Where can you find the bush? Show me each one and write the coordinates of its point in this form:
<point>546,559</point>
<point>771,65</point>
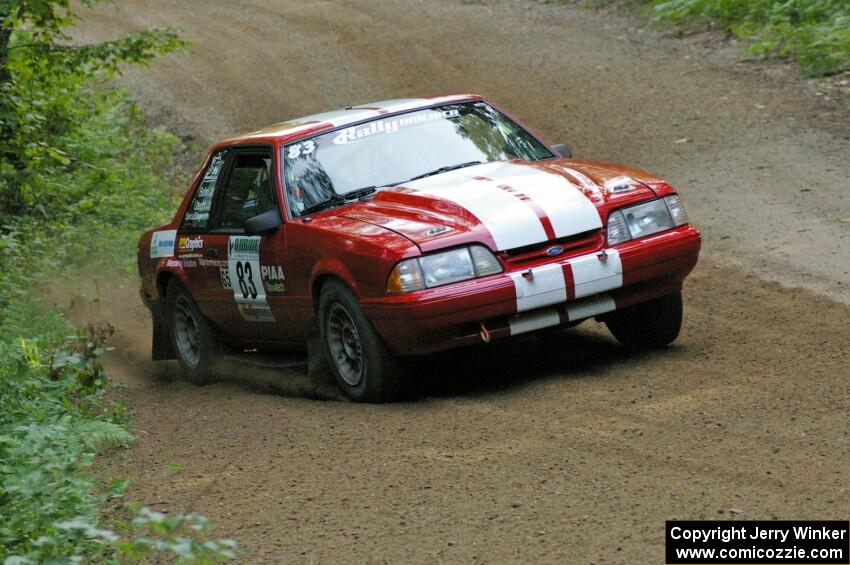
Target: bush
<point>81,175</point>
<point>816,33</point>
<point>53,422</point>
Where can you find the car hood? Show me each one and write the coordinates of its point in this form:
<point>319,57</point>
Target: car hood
<point>505,205</point>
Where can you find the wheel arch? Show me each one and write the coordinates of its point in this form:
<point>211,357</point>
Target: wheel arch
<point>163,279</point>
<point>327,270</point>
<point>319,283</point>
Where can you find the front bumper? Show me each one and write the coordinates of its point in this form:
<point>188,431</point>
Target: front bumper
<point>566,289</point>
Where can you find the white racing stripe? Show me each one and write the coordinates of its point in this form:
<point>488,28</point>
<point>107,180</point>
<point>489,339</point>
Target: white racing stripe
<point>592,276</point>
<point>512,222</point>
<point>534,321</point>
<point>568,209</point>
<point>547,285</point>
<point>588,307</point>
<point>545,288</point>
<point>549,317</point>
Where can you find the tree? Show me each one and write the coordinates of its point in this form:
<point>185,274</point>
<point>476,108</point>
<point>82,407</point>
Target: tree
<point>39,69</point>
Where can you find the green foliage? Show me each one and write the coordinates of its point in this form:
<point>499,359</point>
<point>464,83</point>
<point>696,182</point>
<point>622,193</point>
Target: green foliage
<point>46,100</point>
<point>182,536</point>
<point>54,420</point>
<point>81,175</point>
<point>816,33</point>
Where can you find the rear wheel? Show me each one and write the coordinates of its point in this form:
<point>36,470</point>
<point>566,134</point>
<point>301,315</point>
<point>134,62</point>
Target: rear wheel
<point>192,336</point>
<point>648,325</point>
<point>359,360</point>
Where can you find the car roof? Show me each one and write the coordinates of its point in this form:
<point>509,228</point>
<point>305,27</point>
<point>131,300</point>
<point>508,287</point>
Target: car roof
<point>315,123</point>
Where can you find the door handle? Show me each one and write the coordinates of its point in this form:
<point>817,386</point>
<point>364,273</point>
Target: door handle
<point>212,253</point>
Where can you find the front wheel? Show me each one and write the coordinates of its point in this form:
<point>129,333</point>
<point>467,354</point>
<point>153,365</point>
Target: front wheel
<point>359,360</point>
<point>192,337</point>
<point>648,325</point>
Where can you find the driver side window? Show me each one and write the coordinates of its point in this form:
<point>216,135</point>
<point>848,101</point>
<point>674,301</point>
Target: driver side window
<point>248,192</point>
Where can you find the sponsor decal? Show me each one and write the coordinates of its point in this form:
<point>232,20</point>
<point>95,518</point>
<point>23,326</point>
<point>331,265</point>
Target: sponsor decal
<point>215,167</point>
<point>174,263</point>
<point>243,247</point>
<point>273,279</point>
<point>197,217</point>
<point>391,125</point>
<point>199,208</point>
<point>272,272</point>
<point>162,243</point>
<point>256,313</point>
<point>275,287</point>
<point>244,276</point>
<point>190,243</point>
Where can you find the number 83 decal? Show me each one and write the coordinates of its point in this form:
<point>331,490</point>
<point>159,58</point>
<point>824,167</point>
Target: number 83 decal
<point>300,149</point>
<point>243,271</point>
<point>245,276</point>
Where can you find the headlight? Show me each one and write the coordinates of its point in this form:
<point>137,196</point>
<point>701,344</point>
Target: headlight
<point>645,219</point>
<point>446,267</point>
<point>648,218</point>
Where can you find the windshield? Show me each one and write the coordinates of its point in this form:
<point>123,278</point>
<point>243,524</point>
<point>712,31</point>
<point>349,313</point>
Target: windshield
<point>390,151</point>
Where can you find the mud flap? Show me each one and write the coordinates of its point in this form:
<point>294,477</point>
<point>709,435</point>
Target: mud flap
<point>161,346</point>
<point>318,368</point>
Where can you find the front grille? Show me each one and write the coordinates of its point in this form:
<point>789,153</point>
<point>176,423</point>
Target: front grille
<point>574,244</point>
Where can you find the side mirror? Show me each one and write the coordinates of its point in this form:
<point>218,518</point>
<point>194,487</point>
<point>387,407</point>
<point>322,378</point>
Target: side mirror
<point>264,223</point>
<point>562,150</point>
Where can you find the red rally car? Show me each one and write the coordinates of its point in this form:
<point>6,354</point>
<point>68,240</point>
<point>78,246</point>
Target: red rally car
<point>407,227</point>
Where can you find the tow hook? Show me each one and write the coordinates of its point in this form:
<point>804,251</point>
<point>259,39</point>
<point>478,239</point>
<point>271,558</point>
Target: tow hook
<point>528,275</point>
<point>602,256</point>
<point>485,334</point>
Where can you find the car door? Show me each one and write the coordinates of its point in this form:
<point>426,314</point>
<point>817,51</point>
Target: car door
<point>193,243</point>
<point>250,268</point>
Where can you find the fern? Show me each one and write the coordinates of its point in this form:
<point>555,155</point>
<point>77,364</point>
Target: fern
<point>98,433</point>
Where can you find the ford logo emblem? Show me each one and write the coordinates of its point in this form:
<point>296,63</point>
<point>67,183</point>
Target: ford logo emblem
<point>555,250</point>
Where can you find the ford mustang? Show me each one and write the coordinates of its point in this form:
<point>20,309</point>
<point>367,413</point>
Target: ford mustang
<point>403,228</point>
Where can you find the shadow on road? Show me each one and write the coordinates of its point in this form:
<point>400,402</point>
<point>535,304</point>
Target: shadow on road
<point>515,363</point>
<point>472,371</point>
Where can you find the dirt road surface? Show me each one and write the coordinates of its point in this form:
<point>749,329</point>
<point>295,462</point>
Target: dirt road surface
<point>560,449</point>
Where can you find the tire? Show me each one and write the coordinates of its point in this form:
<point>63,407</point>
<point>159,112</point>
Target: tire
<point>649,325</point>
<point>358,358</point>
<point>192,337</point>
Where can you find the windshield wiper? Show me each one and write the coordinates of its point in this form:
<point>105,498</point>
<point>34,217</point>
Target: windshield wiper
<point>444,170</point>
<point>339,199</point>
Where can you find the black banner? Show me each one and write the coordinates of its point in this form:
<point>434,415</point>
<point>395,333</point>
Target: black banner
<point>692,542</point>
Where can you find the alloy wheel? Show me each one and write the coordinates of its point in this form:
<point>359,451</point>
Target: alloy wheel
<point>344,344</point>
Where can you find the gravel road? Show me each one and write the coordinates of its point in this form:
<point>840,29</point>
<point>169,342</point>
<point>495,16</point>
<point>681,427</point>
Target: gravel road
<point>557,449</point>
